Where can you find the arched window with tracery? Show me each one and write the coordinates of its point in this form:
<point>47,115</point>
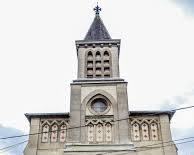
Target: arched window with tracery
<point>154,131</point>
<point>62,133</point>
<point>108,132</point>
<point>45,133</point>
<point>145,131</point>
<point>99,132</point>
<point>54,133</point>
<point>90,133</point>
<point>136,132</point>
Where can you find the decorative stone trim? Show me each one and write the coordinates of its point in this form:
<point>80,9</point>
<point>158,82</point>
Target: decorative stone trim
<point>108,104</point>
<point>53,130</point>
<point>145,129</point>
<point>99,131</point>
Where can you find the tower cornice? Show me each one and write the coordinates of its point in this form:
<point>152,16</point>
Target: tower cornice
<point>102,43</point>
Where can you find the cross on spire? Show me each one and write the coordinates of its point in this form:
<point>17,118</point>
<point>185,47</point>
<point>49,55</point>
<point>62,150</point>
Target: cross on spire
<point>97,9</point>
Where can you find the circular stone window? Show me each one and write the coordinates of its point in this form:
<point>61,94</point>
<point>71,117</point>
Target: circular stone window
<point>99,105</point>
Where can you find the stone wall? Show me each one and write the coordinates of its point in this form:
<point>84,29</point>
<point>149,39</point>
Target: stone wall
<point>148,136</point>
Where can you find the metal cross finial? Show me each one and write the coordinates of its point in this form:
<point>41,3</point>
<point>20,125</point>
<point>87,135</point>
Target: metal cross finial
<point>97,9</point>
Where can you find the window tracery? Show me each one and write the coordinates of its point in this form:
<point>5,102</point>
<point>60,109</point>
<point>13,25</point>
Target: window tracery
<point>45,133</point>
<point>144,129</point>
<point>90,133</point>
<point>154,131</point>
<point>108,132</point>
<point>99,105</point>
<point>99,130</point>
<point>136,132</point>
<point>53,131</point>
<point>63,131</point>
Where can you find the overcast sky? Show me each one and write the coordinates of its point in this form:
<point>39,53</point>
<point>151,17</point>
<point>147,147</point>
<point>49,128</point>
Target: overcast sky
<point>38,56</point>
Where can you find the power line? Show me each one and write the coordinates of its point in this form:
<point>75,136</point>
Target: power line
<point>180,143</point>
<point>189,141</point>
<point>151,145</point>
<point>182,108</point>
<point>181,139</point>
<point>70,128</point>
<point>7,148</point>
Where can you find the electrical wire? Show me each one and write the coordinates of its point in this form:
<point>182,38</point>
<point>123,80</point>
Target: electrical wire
<point>145,149</point>
<point>7,148</point>
<point>189,141</point>
<point>70,128</point>
<point>180,143</point>
<point>170,141</point>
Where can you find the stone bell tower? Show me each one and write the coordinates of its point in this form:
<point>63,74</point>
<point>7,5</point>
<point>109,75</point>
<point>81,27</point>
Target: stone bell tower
<point>99,95</point>
<point>99,121</point>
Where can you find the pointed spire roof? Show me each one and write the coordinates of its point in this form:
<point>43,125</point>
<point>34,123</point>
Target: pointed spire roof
<point>97,30</point>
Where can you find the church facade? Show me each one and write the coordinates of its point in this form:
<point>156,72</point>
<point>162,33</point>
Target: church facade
<point>99,121</point>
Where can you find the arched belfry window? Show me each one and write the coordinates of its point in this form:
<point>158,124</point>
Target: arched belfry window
<point>89,64</point>
<point>90,55</point>
<point>106,64</point>
<point>106,55</point>
<point>98,64</point>
<point>98,55</point>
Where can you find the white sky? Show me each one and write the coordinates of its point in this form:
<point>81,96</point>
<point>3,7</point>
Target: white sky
<point>38,56</point>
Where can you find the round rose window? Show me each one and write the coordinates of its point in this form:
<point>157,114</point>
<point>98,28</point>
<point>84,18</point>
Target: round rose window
<point>99,105</point>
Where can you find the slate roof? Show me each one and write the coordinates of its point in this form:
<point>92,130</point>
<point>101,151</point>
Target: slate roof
<point>97,31</point>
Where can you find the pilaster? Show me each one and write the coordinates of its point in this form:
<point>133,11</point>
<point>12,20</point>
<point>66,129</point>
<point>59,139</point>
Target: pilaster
<point>32,146</point>
<point>169,147</point>
<point>123,113</point>
<point>75,120</point>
